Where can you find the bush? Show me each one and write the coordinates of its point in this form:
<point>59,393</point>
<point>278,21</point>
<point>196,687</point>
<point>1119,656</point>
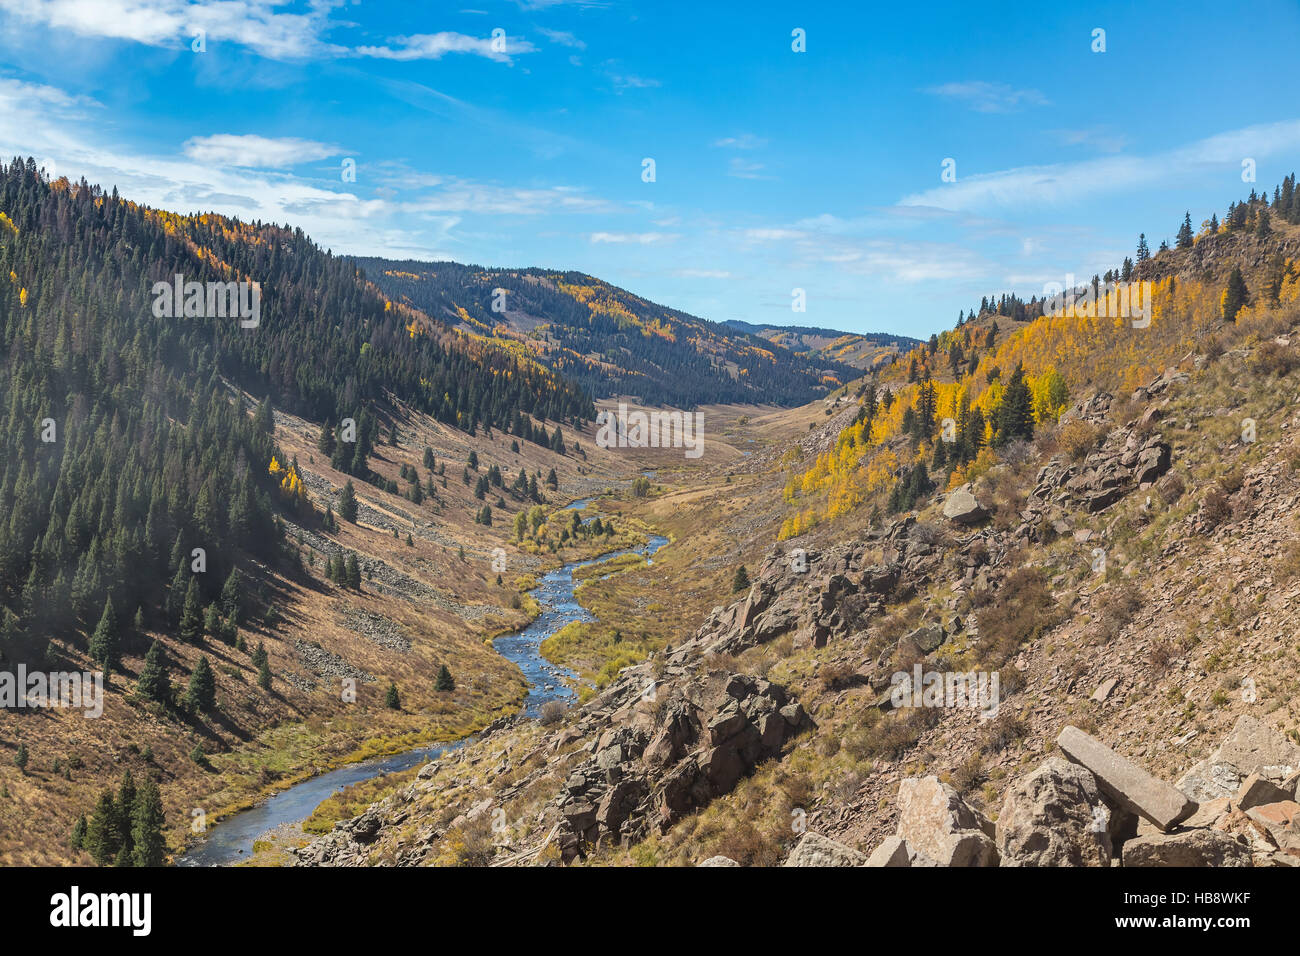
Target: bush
<point>1274,358</point>
<point>1077,438</point>
<point>552,712</point>
<point>1215,507</point>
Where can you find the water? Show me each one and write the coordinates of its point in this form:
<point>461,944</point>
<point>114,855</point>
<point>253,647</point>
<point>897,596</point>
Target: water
<point>231,840</point>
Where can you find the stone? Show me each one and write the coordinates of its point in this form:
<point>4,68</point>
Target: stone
<point>894,852</point>
<point>1104,691</point>
<point>1055,816</point>
<point>1256,791</point>
<point>719,861</point>
<point>961,507</point>
<point>817,850</point>
<point>1188,848</point>
<point>1251,747</point>
<point>935,821</point>
<point>1125,782</point>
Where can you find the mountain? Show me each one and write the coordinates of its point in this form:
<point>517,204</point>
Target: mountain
<point>607,339</point>
<point>1077,531</point>
<point>861,350</point>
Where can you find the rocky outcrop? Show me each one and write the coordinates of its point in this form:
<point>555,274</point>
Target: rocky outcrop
<point>1251,747</point>
<point>816,850</point>
<point>1054,817</point>
<point>663,759</point>
<point>961,507</point>
<point>1125,462</point>
<point>933,818</point>
<point>1124,782</point>
<point>1187,848</point>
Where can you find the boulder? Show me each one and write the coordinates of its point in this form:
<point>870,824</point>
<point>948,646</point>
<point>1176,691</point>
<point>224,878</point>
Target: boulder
<point>1055,816</point>
<point>1255,791</point>
<point>817,850</point>
<point>719,861</point>
<point>936,822</point>
<point>1251,747</point>
<point>1124,782</point>
<point>1188,848</point>
<point>894,852</point>
<point>961,507</point>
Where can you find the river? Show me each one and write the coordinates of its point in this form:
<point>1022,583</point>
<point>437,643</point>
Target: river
<point>231,840</point>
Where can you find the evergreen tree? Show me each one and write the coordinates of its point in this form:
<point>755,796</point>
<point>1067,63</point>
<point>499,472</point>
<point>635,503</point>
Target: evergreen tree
<point>1235,295</point>
<point>20,758</point>
<point>231,595</point>
<point>202,691</point>
<point>264,676</point>
<point>391,700</point>
<point>1014,418</point>
<point>444,681</point>
<point>348,503</point>
<point>1184,239</point>
<point>147,822</point>
<point>105,643</point>
<point>352,573</point>
<point>153,683</point>
<point>740,581</point>
<point>191,626</point>
<point>78,838</point>
<point>103,840</point>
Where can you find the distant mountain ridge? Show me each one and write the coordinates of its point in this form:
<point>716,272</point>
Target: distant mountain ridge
<point>606,339</point>
<point>863,350</point>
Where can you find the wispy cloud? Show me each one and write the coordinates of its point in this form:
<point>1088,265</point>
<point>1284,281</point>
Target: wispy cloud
<point>562,37</point>
<point>226,149</point>
<point>1061,183</point>
<point>434,46</point>
<point>743,141</point>
<point>743,169</point>
<point>985,97</point>
<point>638,238</point>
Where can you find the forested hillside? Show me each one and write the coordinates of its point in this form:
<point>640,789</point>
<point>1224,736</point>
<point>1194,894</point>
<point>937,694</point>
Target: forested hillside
<point>861,350</point>
<point>607,339</point>
<point>123,449</point>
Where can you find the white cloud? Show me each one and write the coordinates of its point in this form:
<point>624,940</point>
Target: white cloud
<point>640,238</point>
<point>434,46</point>
<point>743,141</point>
<point>985,97</point>
<point>225,149</point>
<point>1073,182</point>
<point>742,169</point>
<point>255,24</point>
<point>562,37</point>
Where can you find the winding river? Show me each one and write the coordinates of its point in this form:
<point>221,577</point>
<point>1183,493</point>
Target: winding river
<point>231,840</point>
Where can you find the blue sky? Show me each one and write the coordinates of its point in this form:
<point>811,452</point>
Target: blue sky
<point>774,169</point>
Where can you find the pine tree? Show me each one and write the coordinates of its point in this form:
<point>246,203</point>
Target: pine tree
<point>103,841</point>
<point>147,822</point>
<point>77,840</point>
<point>352,573</point>
<point>191,626</point>
<point>1184,240</point>
<point>444,681</point>
<point>125,804</point>
<point>1014,418</point>
<point>202,691</point>
<point>231,595</point>
<point>20,758</point>
<point>391,699</point>
<point>740,582</point>
<point>264,676</point>
<point>348,503</point>
<point>153,683</point>
<point>1235,295</point>
<point>105,643</point>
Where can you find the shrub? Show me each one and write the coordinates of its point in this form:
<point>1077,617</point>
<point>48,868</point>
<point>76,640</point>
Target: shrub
<point>1215,507</point>
<point>1077,438</point>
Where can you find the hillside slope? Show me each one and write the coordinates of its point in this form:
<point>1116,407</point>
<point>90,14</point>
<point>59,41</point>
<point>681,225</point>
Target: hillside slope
<point>1113,537</point>
<point>861,350</point>
<point>609,340</point>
